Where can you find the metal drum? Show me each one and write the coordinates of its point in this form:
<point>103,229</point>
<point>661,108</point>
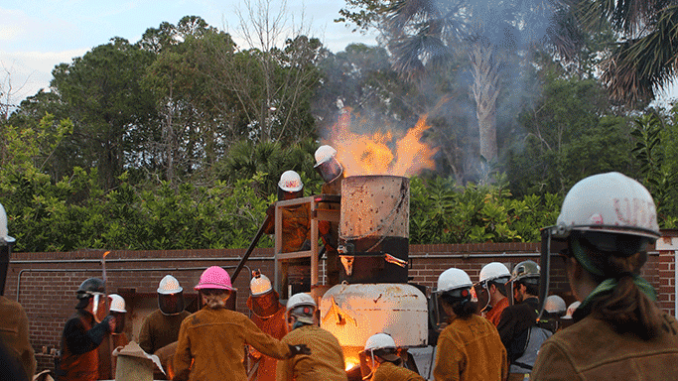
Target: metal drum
<point>374,229</point>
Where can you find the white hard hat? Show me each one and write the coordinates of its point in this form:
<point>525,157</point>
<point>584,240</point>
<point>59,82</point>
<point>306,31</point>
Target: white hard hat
<point>169,285</point>
<point>260,284</point>
<point>492,271</point>
<point>290,182</point>
<point>117,303</point>
<point>608,202</point>
<point>379,341</point>
<point>4,233</point>
<point>452,279</point>
<point>300,299</point>
<point>570,309</point>
<point>324,153</point>
<point>555,304</point>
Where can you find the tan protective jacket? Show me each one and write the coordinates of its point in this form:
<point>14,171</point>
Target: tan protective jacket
<point>591,350</point>
<point>214,340</point>
<point>470,349</point>
<point>325,363</point>
<point>14,334</point>
<point>388,371</point>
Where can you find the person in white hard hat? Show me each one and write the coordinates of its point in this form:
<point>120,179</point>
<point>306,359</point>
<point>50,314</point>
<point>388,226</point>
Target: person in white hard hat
<point>606,225</point>
<point>518,325</point>
<point>469,347</point>
<point>269,315</point>
<point>13,318</point>
<point>570,310</point>
<point>491,289</point>
<point>118,338</point>
<point>554,310</point>
<point>383,360</point>
<point>212,341</point>
<point>296,234</point>
<point>326,361</point>
<point>160,329</point>
<point>296,231</point>
<point>332,174</point>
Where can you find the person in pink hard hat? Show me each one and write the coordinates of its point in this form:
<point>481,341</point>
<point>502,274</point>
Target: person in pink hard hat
<point>212,341</point>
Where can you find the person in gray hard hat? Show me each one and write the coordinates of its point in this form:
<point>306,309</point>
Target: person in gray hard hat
<point>605,227</point>
<point>84,333</point>
<point>518,326</point>
<point>326,360</point>
<point>13,318</point>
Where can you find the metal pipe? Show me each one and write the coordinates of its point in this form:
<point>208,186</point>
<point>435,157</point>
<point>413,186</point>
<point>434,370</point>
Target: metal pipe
<point>122,260</point>
<point>18,282</point>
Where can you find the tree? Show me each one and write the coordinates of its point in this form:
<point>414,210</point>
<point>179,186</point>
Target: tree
<point>107,104</point>
<point>197,121</point>
<point>644,59</point>
<point>568,132</point>
<point>421,34</point>
<point>272,83</point>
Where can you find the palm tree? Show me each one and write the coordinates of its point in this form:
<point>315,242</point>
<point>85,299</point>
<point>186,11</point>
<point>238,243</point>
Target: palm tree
<point>645,58</point>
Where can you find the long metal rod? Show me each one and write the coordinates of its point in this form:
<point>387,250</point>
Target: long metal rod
<point>18,282</point>
<point>253,244</point>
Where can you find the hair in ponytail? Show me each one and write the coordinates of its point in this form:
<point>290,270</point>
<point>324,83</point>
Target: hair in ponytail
<point>627,308</point>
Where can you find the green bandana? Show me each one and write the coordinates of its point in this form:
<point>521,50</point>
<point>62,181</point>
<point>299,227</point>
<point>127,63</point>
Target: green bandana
<point>608,285</point>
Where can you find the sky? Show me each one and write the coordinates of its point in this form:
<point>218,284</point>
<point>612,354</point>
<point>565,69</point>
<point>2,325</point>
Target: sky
<point>36,35</point>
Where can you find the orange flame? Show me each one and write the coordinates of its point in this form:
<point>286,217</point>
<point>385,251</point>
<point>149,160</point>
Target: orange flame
<point>372,155</point>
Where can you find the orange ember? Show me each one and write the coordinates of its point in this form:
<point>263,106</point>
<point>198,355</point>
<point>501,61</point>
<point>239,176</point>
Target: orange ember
<point>373,155</point>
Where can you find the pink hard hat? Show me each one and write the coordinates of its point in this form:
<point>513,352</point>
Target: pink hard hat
<point>215,278</point>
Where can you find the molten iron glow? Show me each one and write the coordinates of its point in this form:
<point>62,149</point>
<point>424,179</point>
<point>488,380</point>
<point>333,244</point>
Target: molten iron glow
<point>351,363</point>
<point>373,155</point>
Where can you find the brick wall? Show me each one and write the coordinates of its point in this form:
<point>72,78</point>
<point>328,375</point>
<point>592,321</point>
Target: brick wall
<point>45,283</point>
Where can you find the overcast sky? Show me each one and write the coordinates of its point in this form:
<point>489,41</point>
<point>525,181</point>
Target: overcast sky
<point>36,35</point>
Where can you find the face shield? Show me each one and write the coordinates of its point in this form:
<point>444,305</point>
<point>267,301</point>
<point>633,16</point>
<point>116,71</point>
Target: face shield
<point>437,315</point>
<point>5,253</point>
<point>98,306</point>
<point>171,304</point>
<point>119,321</point>
<point>482,291</point>
<point>265,305</point>
<point>329,169</point>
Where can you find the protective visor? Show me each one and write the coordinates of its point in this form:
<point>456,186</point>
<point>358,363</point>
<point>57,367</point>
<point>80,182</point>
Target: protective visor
<point>329,169</point>
<point>5,253</point>
<point>171,304</point>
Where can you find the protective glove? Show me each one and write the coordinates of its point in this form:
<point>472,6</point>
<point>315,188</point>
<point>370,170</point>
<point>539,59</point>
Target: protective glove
<point>300,349</point>
<point>109,322</point>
